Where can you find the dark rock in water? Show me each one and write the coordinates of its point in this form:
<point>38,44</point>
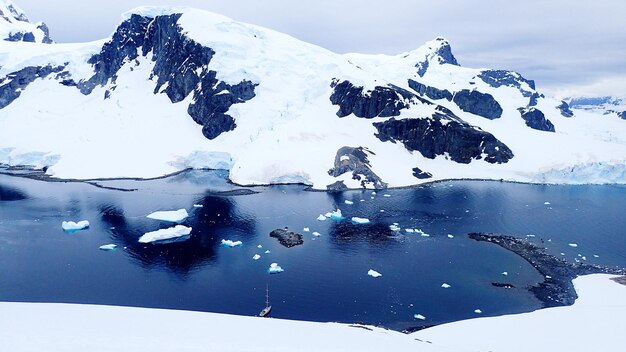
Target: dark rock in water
<point>535,119</point>
<point>477,103</point>
<point>418,173</point>
<point>14,83</point>
<point>443,133</point>
<point>349,159</point>
<point>287,238</point>
<point>557,288</point>
<point>565,110</point>
<point>336,187</point>
<point>498,78</point>
<point>180,68</point>
<point>381,102</point>
<point>431,92</point>
<point>502,285</point>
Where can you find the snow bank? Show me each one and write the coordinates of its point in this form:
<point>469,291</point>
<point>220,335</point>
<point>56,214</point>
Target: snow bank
<point>170,215</point>
<point>161,235</point>
<point>71,226</point>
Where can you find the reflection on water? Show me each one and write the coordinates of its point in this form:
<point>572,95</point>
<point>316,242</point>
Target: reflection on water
<point>325,279</point>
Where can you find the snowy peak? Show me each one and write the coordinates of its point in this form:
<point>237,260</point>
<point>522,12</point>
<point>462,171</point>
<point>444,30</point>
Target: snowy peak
<point>15,26</point>
<point>436,51</point>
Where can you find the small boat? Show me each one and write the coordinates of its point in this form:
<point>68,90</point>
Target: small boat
<point>266,311</point>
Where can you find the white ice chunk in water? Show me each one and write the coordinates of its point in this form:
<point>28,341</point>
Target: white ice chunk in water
<point>504,273</point>
<point>387,195</point>
<point>419,316</point>
<point>546,203</point>
<point>478,311</point>
<point>374,193</point>
<point>374,273</point>
<point>306,229</point>
<point>445,285</point>
<point>165,234</point>
<point>596,256</point>
<point>573,245</point>
<point>198,205</point>
<point>321,217</point>
<point>170,215</point>
<point>275,269</point>
<point>335,215</point>
<point>393,227</point>
<point>409,230</point>
<point>316,234</point>
<point>230,243</point>
<point>256,257</point>
<point>267,251</point>
<point>107,247</point>
<point>349,202</point>
<point>421,233</point>
<point>450,236</point>
<point>358,220</point>
<point>259,246</point>
<point>74,226</point>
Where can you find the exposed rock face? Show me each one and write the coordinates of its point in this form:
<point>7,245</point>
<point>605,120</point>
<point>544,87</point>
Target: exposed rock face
<point>13,15</point>
<point>565,110</point>
<point>431,92</point>
<point>622,114</point>
<point>336,187</point>
<point>444,134</point>
<point>380,102</point>
<point>442,54</point>
<point>349,159</point>
<point>418,173</point>
<point>535,119</point>
<point>498,78</point>
<point>12,85</point>
<point>287,238</point>
<point>477,103</point>
<point>180,65</point>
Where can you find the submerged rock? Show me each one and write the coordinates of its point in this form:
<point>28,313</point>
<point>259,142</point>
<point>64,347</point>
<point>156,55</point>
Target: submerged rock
<point>287,238</point>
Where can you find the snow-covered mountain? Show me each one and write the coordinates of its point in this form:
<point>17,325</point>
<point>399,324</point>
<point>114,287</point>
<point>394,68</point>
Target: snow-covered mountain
<point>177,88</point>
<point>14,25</point>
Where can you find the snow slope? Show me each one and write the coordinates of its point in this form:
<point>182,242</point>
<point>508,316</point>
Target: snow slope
<point>593,323</point>
<point>14,25</point>
<point>289,130</point>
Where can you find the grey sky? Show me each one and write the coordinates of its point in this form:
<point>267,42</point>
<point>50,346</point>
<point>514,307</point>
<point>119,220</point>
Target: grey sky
<point>576,45</point>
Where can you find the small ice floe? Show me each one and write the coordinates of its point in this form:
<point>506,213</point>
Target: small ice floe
<point>374,273</point>
<point>504,273</point>
<point>372,197</point>
<point>362,200</point>
<point>275,269</point>
<point>259,246</point>
<point>349,202</point>
<point>409,230</point>
<point>546,203</point>
<point>358,220</point>
<point>419,316</point>
<point>107,247</point>
<point>373,193</point>
<point>478,311</point>
<point>306,229</point>
<point>393,227</point>
<point>387,195</point>
<point>548,277</point>
<point>71,226</point>
<point>171,234</point>
<point>335,215</point>
<point>583,257</point>
<point>198,205</point>
<point>530,235</point>
<point>382,210</point>
<point>450,236</point>
<point>321,217</point>
<point>421,233</point>
<point>562,253</point>
<point>230,243</point>
<point>316,234</point>
<point>267,251</point>
<point>169,215</point>
<point>445,285</point>
<point>256,257</point>
<point>596,256</point>
<point>572,245</point>
<point>467,210</point>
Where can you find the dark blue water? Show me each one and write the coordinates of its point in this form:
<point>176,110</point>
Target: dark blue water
<point>326,278</point>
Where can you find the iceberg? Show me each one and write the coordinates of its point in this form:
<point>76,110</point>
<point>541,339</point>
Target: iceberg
<point>321,217</point>
<point>316,234</point>
<point>504,273</point>
<point>335,215</point>
<point>478,311</point>
<point>572,245</point>
<point>393,227</point>
<point>198,205</point>
<point>171,234</point>
<point>108,247</point>
<point>349,202</point>
<point>229,243</point>
<point>306,229</point>
<point>445,285</point>
<point>546,203</point>
<point>358,220</point>
<point>170,216</point>
<point>71,226</point>
<point>259,246</point>
<point>267,251</point>
<point>275,269</point>
<point>387,195</point>
<point>256,257</point>
<point>409,230</point>
<point>450,236</point>
<point>374,273</point>
<point>419,316</point>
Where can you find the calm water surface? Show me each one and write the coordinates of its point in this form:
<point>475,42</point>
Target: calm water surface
<point>326,278</point>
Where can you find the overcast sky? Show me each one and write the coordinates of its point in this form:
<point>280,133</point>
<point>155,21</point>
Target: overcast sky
<point>562,44</point>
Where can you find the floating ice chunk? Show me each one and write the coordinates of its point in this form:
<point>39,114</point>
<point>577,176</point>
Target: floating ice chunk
<point>321,217</point>
<point>596,256</point>
<point>71,226</point>
<point>267,251</point>
<point>421,233</point>
<point>445,285</point>
<point>229,243</point>
<point>419,316</point>
<point>259,246</point>
<point>374,273</point>
<point>275,269</point>
<point>572,245</point>
<point>504,273</point>
<point>373,193</point>
<point>335,215</point>
<point>168,234</point>
<point>256,257</point>
<point>107,247</point>
<point>546,203</point>
<point>584,257</point>
<point>358,220</point>
<point>562,253</point>
<point>393,227</point>
<point>548,277</point>
<point>450,236</point>
<point>198,205</point>
<point>409,230</point>
<point>315,233</point>
<point>382,210</point>
<point>349,202</point>
<point>170,215</point>
<point>530,235</point>
<point>387,195</point>
<point>362,200</point>
<point>478,311</point>
<point>306,229</point>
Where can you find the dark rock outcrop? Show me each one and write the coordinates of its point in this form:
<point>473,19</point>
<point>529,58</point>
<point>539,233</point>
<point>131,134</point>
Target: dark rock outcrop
<point>535,119</point>
<point>287,238</point>
<point>622,115</point>
<point>498,78</point>
<point>12,84</point>
<point>565,110</point>
<point>336,187</point>
<point>431,92</point>
<point>443,55</point>
<point>420,174</point>
<point>442,134</point>
<point>349,159</point>
<point>380,102</point>
<point>477,103</point>
<point>180,68</point>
